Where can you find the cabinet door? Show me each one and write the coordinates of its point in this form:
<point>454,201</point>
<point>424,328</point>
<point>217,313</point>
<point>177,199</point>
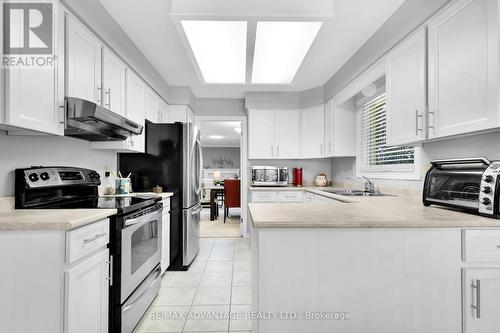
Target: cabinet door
<point>114,78</point>
<point>481,302</point>
<point>312,138</point>
<point>405,86</point>
<point>329,128</point>
<point>87,290</point>
<point>261,134</point>
<point>163,111</point>
<point>83,72</point>
<point>136,108</point>
<point>34,96</point>
<point>287,134</point>
<point>463,61</point>
<point>151,105</point>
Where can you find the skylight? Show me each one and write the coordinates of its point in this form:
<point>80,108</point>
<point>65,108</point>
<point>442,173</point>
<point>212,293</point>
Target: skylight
<point>280,48</point>
<point>219,48</point>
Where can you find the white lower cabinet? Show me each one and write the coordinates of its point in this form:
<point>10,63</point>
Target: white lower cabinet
<point>481,300</point>
<point>87,295</point>
<point>308,197</point>
<point>55,281</point>
<point>290,196</point>
<point>322,199</point>
<point>264,196</point>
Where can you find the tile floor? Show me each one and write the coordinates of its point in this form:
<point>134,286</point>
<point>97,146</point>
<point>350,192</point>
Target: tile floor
<point>216,284</point>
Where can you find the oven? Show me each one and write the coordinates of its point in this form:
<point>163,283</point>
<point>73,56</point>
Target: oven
<point>469,184</point>
<point>136,248</point>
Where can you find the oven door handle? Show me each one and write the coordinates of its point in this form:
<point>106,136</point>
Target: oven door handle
<point>141,219</point>
<point>157,275</point>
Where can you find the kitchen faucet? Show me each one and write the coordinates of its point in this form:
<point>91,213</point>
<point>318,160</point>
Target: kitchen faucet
<point>368,184</point>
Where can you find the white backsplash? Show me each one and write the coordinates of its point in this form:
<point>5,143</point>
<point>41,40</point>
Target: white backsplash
<point>25,151</point>
<point>310,167</point>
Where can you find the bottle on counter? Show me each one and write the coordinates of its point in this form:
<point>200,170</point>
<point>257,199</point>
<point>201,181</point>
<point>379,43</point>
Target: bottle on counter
<point>297,177</point>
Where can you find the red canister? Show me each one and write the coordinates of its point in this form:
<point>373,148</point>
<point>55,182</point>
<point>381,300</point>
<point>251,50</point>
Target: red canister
<point>297,177</point>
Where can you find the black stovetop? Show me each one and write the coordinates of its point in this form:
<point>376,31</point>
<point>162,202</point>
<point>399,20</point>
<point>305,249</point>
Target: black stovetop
<point>124,204</point>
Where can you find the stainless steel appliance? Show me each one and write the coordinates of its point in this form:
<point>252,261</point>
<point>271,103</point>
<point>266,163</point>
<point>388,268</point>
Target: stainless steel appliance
<point>89,121</point>
<point>269,176</point>
<point>470,184</point>
<point>135,234</point>
<point>172,160</point>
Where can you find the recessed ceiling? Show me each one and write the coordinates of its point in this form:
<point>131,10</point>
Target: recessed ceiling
<point>157,32</point>
<point>220,133</point>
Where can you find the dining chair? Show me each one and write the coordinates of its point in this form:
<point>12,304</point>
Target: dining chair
<point>231,195</point>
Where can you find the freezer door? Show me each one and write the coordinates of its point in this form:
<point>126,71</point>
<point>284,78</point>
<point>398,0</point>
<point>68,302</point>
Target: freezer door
<point>193,165</point>
<point>191,233</point>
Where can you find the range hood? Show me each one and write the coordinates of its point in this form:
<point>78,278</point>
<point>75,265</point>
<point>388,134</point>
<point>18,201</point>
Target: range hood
<point>89,121</point>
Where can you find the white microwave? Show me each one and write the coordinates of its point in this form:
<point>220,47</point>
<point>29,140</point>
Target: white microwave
<point>269,176</point>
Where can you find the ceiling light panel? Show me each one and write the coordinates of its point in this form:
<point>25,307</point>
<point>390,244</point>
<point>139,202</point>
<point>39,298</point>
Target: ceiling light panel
<point>280,48</point>
<point>219,48</point>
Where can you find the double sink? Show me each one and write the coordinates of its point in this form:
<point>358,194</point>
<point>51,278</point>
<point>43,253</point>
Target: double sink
<point>356,193</point>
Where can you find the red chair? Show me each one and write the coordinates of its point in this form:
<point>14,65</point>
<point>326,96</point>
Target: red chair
<point>231,195</point>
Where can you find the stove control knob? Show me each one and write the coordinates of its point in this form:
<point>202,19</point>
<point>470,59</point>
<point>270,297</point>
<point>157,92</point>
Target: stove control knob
<point>33,177</point>
<point>44,176</point>
<point>488,178</point>
<point>486,189</point>
<point>486,201</point>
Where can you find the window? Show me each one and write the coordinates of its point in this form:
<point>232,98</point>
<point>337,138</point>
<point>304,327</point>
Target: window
<point>376,155</point>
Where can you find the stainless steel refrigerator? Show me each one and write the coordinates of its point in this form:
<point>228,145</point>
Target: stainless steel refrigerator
<point>173,160</point>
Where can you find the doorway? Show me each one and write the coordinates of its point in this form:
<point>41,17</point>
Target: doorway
<point>223,182</point>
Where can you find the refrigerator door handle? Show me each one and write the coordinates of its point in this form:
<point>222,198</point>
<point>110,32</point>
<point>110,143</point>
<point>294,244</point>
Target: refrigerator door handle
<point>200,167</point>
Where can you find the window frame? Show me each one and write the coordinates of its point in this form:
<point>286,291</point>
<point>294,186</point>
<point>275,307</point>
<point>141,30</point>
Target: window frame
<point>399,172</point>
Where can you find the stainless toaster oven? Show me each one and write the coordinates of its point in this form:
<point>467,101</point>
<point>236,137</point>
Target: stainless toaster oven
<point>470,184</point>
<point>269,176</point>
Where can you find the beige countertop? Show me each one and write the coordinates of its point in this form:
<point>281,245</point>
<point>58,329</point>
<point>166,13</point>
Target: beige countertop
<point>50,219</point>
<point>402,211</point>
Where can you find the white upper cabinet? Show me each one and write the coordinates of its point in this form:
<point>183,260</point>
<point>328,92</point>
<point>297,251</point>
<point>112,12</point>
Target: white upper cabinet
<point>287,134</point>
<point>340,130</point>
<point>179,113</point>
<point>162,110</point>
<point>34,97</point>
<point>463,68</point>
<point>114,78</point>
<point>312,129</point>
<point>136,112</point>
<point>152,106</point>
<point>405,86</point>
<point>261,125</point>
<point>83,71</point>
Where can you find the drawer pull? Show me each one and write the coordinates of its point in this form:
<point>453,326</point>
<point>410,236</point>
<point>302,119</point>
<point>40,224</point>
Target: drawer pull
<point>97,236</point>
<point>498,246</point>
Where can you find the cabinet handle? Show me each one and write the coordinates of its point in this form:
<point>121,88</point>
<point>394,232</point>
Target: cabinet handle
<point>108,92</point>
<point>477,307</point>
<point>272,150</point>
<point>91,239</point>
<point>99,95</point>
<point>278,150</point>
<point>321,149</point>
<point>110,276</point>
<point>330,147</point>
<point>433,113</point>
<point>62,114</point>
<point>417,129</point>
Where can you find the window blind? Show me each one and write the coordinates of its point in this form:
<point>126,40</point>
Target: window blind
<point>376,154</point>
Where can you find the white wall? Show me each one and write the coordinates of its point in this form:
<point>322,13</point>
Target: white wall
<point>486,145</point>
<point>230,153</point>
<point>26,151</point>
<point>220,107</point>
<point>310,167</point>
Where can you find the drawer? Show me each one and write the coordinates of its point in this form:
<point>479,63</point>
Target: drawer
<point>264,196</point>
<point>85,240</point>
<point>308,197</point>
<point>290,196</point>
<point>481,245</point>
